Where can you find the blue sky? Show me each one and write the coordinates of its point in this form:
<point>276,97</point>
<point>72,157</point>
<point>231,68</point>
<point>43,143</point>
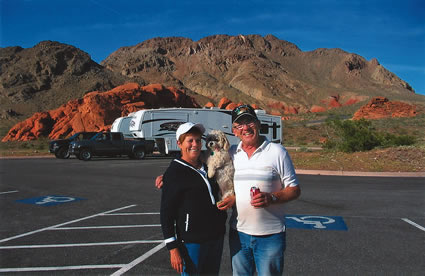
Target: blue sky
<point>391,31</point>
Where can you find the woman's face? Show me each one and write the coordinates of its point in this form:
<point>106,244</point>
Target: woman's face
<point>191,147</point>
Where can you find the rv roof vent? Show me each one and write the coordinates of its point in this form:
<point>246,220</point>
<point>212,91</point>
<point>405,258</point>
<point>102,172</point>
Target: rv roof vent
<point>260,111</point>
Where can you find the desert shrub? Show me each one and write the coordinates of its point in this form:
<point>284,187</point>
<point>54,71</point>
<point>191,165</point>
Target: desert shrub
<point>360,135</point>
<point>391,140</point>
<point>351,136</point>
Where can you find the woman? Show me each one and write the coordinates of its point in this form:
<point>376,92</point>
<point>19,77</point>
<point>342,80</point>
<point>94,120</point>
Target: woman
<point>188,201</point>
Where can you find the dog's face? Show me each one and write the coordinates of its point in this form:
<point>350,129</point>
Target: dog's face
<point>217,140</point>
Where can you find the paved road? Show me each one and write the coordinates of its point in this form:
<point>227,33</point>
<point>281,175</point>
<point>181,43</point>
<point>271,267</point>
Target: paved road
<point>71,217</point>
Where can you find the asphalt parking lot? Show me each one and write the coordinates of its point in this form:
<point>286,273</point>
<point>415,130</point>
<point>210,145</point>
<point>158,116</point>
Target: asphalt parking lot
<point>70,217</point>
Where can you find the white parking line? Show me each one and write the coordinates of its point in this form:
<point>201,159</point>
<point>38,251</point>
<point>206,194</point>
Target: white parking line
<point>8,192</point>
<point>139,260</point>
<point>59,227</point>
<point>76,244</point>
<point>106,227</point>
<point>413,223</point>
<point>62,224</point>
<point>129,214</point>
<point>53,268</point>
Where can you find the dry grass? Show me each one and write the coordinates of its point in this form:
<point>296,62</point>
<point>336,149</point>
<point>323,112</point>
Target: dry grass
<point>399,159</point>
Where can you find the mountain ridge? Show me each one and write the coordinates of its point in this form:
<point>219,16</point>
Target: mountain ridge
<point>272,73</point>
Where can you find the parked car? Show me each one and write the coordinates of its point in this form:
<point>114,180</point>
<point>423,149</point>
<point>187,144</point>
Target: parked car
<point>61,147</point>
<point>111,144</point>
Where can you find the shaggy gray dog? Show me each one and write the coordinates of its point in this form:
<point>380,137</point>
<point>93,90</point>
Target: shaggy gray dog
<point>219,162</point>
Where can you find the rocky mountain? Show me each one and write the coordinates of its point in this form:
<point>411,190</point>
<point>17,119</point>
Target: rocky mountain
<point>271,73</point>
<point>274,73</point>
<point>48,75</point>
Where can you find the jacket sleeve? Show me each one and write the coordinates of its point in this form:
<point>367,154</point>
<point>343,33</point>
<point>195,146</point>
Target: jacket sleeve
<point>171,192</point>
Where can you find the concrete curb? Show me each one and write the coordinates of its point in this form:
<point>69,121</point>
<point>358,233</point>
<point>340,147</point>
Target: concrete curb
<point>350,173</point>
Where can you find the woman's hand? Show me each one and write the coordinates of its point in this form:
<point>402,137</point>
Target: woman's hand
<point>176,260</point>
<point>226,203</point>
<point>159,182</point>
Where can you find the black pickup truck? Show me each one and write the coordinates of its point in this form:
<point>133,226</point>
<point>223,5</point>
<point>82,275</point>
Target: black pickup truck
<point>111,144</point>
<point>60,147</point>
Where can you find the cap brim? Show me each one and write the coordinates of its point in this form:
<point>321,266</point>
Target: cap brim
<point>243,115</point>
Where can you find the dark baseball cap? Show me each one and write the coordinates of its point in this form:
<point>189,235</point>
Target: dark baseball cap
<point>243,111</point>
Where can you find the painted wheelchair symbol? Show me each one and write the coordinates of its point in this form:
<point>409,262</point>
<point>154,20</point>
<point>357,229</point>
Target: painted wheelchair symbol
<point>55,199</point>
<point>318,221</point>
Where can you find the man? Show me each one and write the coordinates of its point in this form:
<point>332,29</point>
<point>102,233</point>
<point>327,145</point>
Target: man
<point>257,236</point>
<point>257,226</point>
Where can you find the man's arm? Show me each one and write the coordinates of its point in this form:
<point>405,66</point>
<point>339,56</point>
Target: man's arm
<point>284,195</point>
<point>287,194</point>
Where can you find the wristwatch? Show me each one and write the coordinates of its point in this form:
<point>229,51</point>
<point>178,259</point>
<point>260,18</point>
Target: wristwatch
<point>274,198</point>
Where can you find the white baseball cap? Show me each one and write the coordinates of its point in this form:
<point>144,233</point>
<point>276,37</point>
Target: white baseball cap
<point>183,128</point>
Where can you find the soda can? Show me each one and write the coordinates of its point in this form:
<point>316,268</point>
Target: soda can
<point>254,191</point>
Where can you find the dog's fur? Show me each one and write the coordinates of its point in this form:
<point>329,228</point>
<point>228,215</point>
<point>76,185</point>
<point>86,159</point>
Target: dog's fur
<point>219,162</point>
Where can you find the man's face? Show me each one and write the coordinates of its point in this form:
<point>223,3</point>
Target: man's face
<point>247,129</point>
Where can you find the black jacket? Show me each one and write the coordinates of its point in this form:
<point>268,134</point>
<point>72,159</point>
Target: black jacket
<point>189,202</point>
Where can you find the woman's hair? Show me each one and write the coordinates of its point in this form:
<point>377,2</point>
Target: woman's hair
<point>193,130</point>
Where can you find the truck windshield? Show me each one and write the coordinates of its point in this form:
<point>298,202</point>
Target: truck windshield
<point>97,135</point>
<point>73,136</point>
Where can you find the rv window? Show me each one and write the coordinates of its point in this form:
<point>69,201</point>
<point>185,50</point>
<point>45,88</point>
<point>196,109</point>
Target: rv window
<point>264,129</point>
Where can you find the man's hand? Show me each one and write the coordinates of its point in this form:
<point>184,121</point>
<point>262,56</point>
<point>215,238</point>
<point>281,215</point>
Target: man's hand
<point>261,200</point>
<point>226,203</point>
<point>287,194</point>
<point>159,182</point>
<point>176,260</point>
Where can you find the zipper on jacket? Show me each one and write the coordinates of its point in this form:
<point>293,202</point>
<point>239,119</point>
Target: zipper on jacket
<point>203,177</point>
<point>187,222</point>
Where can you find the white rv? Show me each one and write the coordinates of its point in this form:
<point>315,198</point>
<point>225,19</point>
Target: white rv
<point>123,123</point>
<point>161,125</point>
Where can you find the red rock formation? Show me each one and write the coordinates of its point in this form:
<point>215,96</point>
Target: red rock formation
<point>351,101</point>
<point>281,108</point>
<point>96,111</point>
<point>224,102</point>
<point>334,102</point>
<point>209,104</point>
<point>232,106</point>
<point>316,108</point>
<point>381,107</point>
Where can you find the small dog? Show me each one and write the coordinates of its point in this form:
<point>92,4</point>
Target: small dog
<point>219,162</point>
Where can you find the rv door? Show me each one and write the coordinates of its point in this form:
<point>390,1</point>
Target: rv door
<point>271,129</point>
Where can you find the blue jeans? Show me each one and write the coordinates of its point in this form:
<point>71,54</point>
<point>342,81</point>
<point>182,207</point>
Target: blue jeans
<point>263,253</point>
<point>202,258</point>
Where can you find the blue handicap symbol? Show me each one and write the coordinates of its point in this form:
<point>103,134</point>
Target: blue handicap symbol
<point>315,222</point>
<point>49,200</point>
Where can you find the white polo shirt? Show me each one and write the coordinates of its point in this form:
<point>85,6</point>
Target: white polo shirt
<point>270,168</point>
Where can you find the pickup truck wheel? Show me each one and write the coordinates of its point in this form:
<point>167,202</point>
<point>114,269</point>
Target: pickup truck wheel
<point>139,154</point>
<point>85,155</point>
<point>62,153</point>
